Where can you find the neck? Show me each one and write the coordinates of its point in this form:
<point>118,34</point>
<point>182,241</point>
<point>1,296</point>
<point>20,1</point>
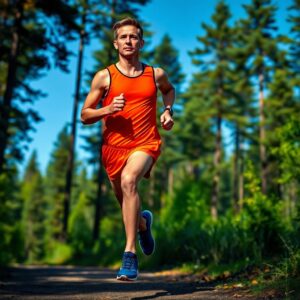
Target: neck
<point>130,66</point>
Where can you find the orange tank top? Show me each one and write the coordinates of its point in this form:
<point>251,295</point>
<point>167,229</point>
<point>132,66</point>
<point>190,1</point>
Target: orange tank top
<point>135,125</point>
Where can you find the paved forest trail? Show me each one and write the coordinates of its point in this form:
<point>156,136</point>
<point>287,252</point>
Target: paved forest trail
<point>66,282</point>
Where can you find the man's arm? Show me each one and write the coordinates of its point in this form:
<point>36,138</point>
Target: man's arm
<point>89,113</point>
<point>168,94</point>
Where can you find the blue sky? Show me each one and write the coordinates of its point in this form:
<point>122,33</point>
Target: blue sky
<point>180,19</point>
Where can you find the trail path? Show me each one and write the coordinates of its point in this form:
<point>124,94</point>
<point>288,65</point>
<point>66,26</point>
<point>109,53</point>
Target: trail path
<point>64,282</point>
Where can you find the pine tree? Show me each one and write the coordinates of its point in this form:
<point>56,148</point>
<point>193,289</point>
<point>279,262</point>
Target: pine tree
<point>34,211</point>
<point>166,57</point>
<point>287,152</point>
<point>85,9</point>
<point>33,36</point>
<point>262,51</point>
<point>212,58</point>
<point>81,217</point>
<point>242,111</point>
<point>294,19</point>
<point>55,187</point>
<point>281,107</point>
<point>11,241</point>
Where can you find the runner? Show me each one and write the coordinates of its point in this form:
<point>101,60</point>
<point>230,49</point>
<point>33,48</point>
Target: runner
<point>131,142</point>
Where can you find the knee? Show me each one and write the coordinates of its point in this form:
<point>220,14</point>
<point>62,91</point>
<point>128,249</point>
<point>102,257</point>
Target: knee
<point>128,183</point>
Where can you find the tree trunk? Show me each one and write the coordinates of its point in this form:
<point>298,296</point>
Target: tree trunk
<point>10,83</point>
<point>262,135</point>
<point>236,171</point>
<point>70,167</point>
<point>170,181</point>
<point>241,177</point>
<point>151,192</point>
<point>98,203</point>
<point>217,161</point>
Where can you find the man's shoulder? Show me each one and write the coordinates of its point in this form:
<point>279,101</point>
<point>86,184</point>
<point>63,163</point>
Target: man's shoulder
<point>101,79</point>
<point>159,72</point>
<point>102,74</point>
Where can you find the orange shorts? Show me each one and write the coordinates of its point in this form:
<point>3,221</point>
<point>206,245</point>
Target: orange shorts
<point>115,158</point>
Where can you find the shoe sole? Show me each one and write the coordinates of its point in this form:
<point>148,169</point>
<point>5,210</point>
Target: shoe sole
<point>125,278</point>
<point>151,217</point>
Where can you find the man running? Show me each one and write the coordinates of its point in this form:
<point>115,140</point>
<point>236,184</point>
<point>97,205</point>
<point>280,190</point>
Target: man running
<point>131,142</point>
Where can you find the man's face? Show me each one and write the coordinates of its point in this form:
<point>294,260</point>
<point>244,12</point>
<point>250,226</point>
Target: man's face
<point>128,41</point>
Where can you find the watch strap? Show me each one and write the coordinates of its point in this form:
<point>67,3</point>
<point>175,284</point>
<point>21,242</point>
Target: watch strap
<point>169,109</point>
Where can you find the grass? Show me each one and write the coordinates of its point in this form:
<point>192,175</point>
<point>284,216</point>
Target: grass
<point>255,279</point>
<point>288,288</point>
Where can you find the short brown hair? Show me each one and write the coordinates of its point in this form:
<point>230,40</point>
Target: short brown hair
<point>127,21</point>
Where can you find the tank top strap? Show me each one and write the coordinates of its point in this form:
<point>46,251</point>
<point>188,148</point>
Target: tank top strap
<point>112,69</point>
<point>148,69</point>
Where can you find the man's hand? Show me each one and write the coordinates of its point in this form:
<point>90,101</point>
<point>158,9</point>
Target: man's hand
<point>166,120</point>
<point>117,104</point>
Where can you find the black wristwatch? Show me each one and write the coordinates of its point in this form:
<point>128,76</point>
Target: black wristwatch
<point>170,110</point>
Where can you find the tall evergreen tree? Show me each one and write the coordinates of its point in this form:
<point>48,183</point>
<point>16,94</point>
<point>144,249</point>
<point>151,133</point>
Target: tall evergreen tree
<point>33,36</point>
<point>55,187</point>
<point>34,211</point>
<point>261,46</point>
<point>212,58</point>
<point>243,111</point>
<point>81,217</point>
<point>11,241</point>
<point>294,19</point>
<point>281,107</point>
<point>166,57</point>
<point>85,9</point>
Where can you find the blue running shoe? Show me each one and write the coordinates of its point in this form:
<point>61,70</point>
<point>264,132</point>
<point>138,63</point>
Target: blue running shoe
<point>129,269</point>
<point>146,239</point>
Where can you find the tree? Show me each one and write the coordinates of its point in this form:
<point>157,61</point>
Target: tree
<point>55,186</point>
<point>242,113</point>
<point>11,242</point>
<point>262,51</point>
<point>81,217</point>
<point>166,57</point>
<point>287,152</point>
<point>215,69</point>
<point>295,43</point>
<point>70,166</point>
<point>33,36</point>
<point>34,211</point>
<point>281,107</point>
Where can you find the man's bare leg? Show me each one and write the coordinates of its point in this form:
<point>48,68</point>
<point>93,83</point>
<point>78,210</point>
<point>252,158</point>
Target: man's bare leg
<point>136,167</point>
<point>116,185</point>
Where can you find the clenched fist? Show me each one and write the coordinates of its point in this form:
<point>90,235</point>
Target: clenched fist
<point>117,104</point>
<point>166,120</point>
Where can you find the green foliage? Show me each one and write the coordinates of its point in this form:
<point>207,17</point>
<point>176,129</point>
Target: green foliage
<point>55,186</point>
<point>33,38</point>
<point>80,227</point>
<point>290,264</point>
<point>112,241</point>
<point>295,41</point>
<point>186,227</point>
<point>288,150</point>
<point>11,241</point>
<point>58,253</point>
<point>166,57</point>
<point>34,212</point>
